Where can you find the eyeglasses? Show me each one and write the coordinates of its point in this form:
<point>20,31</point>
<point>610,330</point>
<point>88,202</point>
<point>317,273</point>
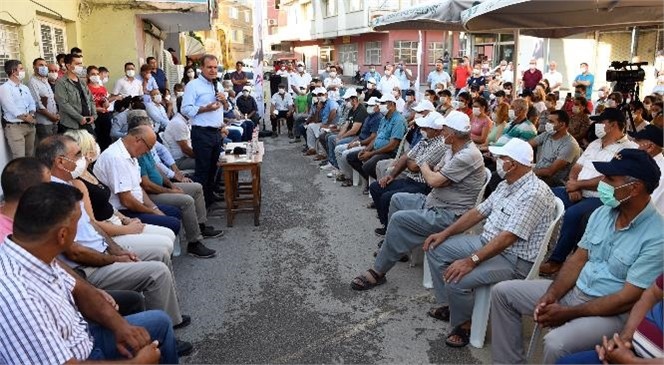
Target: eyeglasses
<point>146,144</point>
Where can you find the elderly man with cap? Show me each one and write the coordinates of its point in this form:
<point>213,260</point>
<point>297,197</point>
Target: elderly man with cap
<point>580,194</point>
<point>456,180</point>
<point>299,79</point>
<point>390,133</point>
<point>372,89</point>
<point>429,151</point>
<point>357,113</point>
<point>619,256</point>
<point>282,108</point>
<point>323,115</point>
<point>650,139</point>
<point>517,216</point>
<point>367,135</point>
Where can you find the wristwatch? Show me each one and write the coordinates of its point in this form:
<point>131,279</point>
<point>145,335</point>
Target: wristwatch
<point>475,259</point>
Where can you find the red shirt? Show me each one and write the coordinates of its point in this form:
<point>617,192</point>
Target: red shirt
<point>530,79</point>
<point>461,75</point>
<point>99,94</point>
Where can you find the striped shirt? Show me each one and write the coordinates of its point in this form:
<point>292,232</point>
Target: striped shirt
<point>525,208</point>
<point>39,320</point>
<point>430,151</point>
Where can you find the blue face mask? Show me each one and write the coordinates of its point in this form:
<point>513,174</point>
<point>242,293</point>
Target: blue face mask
<point>43,71</point>
<point>607,194</point>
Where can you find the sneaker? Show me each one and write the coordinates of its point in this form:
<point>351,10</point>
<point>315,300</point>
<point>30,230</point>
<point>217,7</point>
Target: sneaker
<point>341,178</point>
<point>184,348</point>
<point>327,166</point>
<point>210,232</point>
<point>380,231</point>
<point>197,249</point>
<point>186,320</point>
<point>332,174</point>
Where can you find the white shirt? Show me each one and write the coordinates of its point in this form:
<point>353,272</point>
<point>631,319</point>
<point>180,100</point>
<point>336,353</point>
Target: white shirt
<point>333,95</point>
<point>387,84</point>
<point>15,100</point>
<point>40,88</point>
<point>282,103</point>
<point>596,153</point>
<point>125,87</point>
<point>120,172</point>
<point>298,81</point>
<point>177,130</point>
<point>657,196</point>
<point>401,104</point>
<point>554,77</point>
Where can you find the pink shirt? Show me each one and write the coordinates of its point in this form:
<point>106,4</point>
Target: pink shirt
<point>6,225</point>
<point>477,125</point>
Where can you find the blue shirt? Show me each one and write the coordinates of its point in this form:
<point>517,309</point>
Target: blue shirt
<point>393,128</point>
<point>164,159</point>
<point>149,169</point>
<point>330,105</point>
<point>157,113</point>
<point>375,75</point>
<point>15,100</point>
<point>632,254</point>
<point>370,125</point>
<point>198,93</point>
<point>160,78</point>
<point>152,85</point>
<point>590,78</point>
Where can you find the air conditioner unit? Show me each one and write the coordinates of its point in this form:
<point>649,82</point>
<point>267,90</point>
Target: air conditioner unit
<point>272,22</point>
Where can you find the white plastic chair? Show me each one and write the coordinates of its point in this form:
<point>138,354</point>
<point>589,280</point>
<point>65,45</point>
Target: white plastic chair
<point>427,281</point>
<point>482,305</point>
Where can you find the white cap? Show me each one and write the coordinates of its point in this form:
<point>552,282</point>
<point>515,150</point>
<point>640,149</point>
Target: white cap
<point>424,105</point>
<point>458,121</point>
<point>433,120</point>
<point>516,149</point>
<point>320,90</point>
<point>350,92</point>
<point>386,98</point>
<point>246,88</point>
<point>373,101</point>
<point>300,63</point>
<point>371,80</point>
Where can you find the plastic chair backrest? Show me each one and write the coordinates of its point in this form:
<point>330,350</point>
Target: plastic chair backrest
<point>544,247</point>
<point>480,196</point>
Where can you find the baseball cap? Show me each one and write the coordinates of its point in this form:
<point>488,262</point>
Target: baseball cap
<point>247,88</point>
<point>410,92</point>
<point>631,162</point>
<point>612,114</point>
<point>424,105</point>
<point>320,90</point>
<point>300,63</point>
<point>433,121</point>
<point>373,101</point>
<point>516,149</point>
<point>349,93</point>
<point>457,120</point>
<point>650,133</point>
<point>386,98</point>
<point>371,80</point>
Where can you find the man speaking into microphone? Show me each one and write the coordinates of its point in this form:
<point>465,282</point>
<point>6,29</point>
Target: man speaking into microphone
<point>205,104</point>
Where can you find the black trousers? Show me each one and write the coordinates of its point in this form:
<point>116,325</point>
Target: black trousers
<point>206,143</point>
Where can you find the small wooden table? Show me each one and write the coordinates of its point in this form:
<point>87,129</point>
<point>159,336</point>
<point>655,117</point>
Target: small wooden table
<point>238,198</point>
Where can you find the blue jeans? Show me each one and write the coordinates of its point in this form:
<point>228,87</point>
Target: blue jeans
<point>583,357</point>
<point>206,143</point>
<point>331,144</point>
<point>383,196</point>
<point>171,220</point>
<point>158,325</point>
<point>572,222</point>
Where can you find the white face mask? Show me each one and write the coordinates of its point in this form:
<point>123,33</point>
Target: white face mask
<point>21,75</point>
<point>511,114</point>
<point>600,130</point>
<point>396,94</point>
<point>282,91</point>
<point>167,98</point>
<point>438,90</point>
<point>476,111</point>
<point>424,134</point>
<point>600,94</point>
<point>493,116</point>
<point>549,128</point>
<point>349,104</point>
<point>314,99</point>
<point>156,99</point>
<point>371,110</point>
<point>245,93</point>
<point>322,98</point>
<point>52,76</point>
<point>455,105</point>
<point>383,108</point>
<point>95,79</point>
<point>104,80</point>
<point>370,86</point>
<point>300,69</point>
<point>79,70</point>
<point>333,74</point>
<point>130,73</point>
<point>611,103</point>
<point>80,168</point>
<point>179,93</point>
<point>42,71</point>
<point>388,73</point>
<point>500,169</point>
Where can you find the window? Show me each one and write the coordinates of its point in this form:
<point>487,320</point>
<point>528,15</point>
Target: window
<point>308,11</point>
<point>247,16</point>
<point>329,7</point>
<point>9,47</point>
<point>372,53</point>
<point>348,53</point>
<point>354,5</point>
<point>233,13</point>
<point>434,51</point>
<point>237,36</point>
<point>405,51</point>
<point>325,54</point>
<point>52,40</point>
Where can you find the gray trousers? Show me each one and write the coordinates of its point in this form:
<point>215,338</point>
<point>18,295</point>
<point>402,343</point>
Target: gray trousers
<point>459,296</point>
<point>313,131</point>
<point>510,300</point>
<point>151,276</point>
<point>191,204</point>
<point>383,168</point>
<point>20,139</point>
<point>186,163</point>
<point>342,152</point>
<point>409,225</point>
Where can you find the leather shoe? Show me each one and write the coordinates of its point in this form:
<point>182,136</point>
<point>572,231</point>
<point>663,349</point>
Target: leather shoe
<point>184,348</point>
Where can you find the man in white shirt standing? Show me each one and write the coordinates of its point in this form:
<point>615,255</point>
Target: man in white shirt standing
<point>300,78</point>
<point>333,84</point>
<point>18,110</point>
<point>554,78</point>
<point>405,77</point>
<point>128,85</point>
<point>439,76</point>
<point>388,82</point>
<point>47,111</point>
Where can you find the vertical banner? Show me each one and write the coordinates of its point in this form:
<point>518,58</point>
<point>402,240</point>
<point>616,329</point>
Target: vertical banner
<point>258,57</point>
<point>419,65</point>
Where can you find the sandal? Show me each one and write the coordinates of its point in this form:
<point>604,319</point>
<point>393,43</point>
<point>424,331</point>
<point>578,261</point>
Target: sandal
<point>463,334</point>
<point>361,283</point>
<point>440,313</point>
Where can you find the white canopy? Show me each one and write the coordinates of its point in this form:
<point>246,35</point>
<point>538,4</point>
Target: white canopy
<point>439,15</point>
<point>560,18</point>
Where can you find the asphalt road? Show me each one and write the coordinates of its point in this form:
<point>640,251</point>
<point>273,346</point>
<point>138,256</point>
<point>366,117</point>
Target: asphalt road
<point>280,293</point>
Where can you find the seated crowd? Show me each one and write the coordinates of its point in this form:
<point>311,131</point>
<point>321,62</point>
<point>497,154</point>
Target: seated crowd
<point>102,186</point>
<point>101,189</point>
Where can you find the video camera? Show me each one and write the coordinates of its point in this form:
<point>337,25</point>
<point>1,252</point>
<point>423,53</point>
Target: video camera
<point>625,72</point>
